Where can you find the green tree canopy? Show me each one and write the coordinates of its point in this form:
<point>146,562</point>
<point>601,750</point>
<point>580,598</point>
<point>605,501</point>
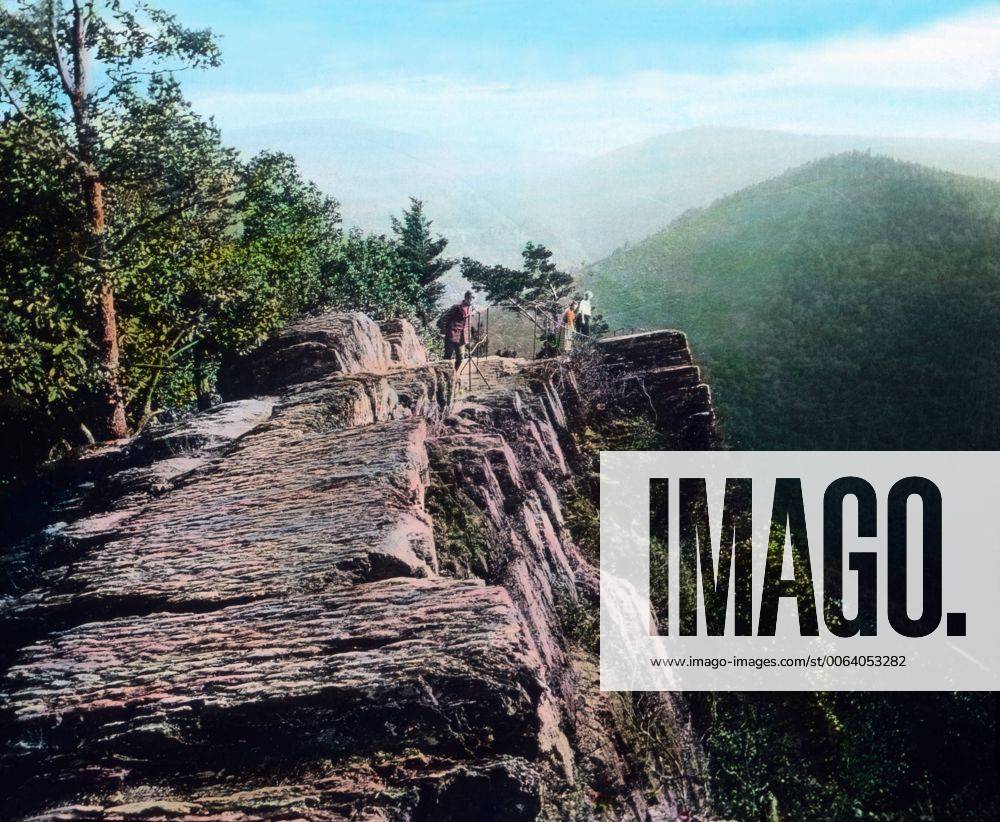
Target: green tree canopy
<point>128,273</point>
<point>421,253</point>
<point>137,251</point>
<point>81,81</point>
<point>537,286</point>
<point>372,276</point>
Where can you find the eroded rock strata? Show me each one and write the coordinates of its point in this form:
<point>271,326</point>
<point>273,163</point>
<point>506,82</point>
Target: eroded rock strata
<point>342,594</point>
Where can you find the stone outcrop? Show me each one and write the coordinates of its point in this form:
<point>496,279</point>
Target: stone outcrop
<point>342,594</point>
<point>318,347</point>
<point>659,375</point>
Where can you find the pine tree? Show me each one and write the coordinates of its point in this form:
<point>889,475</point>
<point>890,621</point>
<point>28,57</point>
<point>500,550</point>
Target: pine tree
<point>538,287</point>
<point>547,283</point>
<point>421,253</point>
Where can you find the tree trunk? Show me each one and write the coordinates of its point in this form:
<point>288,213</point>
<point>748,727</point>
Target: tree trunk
<point>110,422</point>
<point>110,406</point>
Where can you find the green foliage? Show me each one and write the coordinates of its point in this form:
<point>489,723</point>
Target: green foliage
<point>462,535</point>
<point>209,255</point>
<point>86,92</point>
<point>174,193</point>
<point>583,520</point>
<point>421,252</point>
<point>852,304</point>
<point>619,432</point>
<point>205,253</point>
<point>579,621</point>
<point>832,302</point>
<point>852,755</point>
<point>44,341</point>
<point>544,280</point>
<point>371,276</point>
<point>537,284</point>
<point>278,261</point>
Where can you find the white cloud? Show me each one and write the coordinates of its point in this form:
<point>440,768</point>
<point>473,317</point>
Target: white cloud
<point>958,54</point>
<point>850,84</point>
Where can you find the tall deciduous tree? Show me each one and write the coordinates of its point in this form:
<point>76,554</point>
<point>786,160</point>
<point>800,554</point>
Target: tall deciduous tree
<point>422,252</point>
<point>136,250</point>
<point>66,73</point>
<point>286,251</point>
<point>175,193</point>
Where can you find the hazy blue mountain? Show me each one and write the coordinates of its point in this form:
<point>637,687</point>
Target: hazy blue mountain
<point>489,200</point>
<point>374,171</point>
<point>626,195</point>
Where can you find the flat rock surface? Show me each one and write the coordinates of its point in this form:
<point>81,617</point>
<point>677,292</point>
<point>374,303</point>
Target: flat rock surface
<point>442,665</point>
<point>338,506</point>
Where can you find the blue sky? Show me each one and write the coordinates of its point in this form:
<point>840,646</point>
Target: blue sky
<point>591,76</point>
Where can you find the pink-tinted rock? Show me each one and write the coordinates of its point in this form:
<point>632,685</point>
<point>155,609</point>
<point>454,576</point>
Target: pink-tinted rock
<point>443,666</point>
<point>338,506</point>
<point>405,346</point>
<point>658,374</point>
<point>307,350</point>
<point>247,614</point>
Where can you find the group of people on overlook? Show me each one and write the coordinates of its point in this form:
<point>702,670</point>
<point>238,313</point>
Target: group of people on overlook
<point>456,326</point>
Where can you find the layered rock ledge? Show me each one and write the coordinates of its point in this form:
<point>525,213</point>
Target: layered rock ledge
<point>342,594</point>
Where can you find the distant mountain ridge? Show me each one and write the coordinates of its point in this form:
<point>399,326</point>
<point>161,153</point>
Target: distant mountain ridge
<point>639,189</point>
<point>490,200</point>
<point>848,303</point>
<point>373,172</point>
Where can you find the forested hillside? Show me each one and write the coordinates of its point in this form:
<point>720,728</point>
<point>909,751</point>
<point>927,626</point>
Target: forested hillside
<point>586,211</point>
<point>849,303</point>
<point>137,250</point>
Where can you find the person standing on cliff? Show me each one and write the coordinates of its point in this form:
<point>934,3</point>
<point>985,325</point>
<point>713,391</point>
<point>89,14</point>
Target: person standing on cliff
<point>455,325</point>
<point>583,313</point>
<point>567,327</point>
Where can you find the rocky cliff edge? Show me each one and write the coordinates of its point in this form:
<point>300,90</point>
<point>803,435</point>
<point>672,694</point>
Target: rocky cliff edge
<point>341,594</point>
